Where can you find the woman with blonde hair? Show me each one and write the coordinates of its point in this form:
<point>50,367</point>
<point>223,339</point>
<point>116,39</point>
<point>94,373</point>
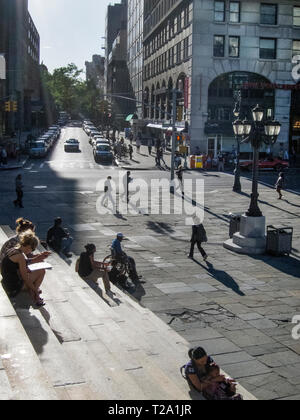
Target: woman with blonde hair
<point>22,226</point>
<point>15,273</point>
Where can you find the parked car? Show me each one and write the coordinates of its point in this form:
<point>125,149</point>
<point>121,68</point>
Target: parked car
<point>72,145</point>
<point>94,133</point>
<point>269,163</point>
<point>38,149</point>
<point>103,153</point>
<point>99,140</point>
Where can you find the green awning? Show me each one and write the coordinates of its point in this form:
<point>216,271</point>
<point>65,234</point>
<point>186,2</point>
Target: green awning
<point>129,117</point>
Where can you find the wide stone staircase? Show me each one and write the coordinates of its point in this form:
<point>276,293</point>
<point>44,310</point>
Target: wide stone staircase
<point>84,345</point>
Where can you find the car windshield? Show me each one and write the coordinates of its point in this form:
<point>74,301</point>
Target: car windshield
<point>103,148</point>
<point>72,141</point>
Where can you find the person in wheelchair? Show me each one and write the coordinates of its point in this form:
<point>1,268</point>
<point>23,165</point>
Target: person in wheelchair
<point>120,256</point>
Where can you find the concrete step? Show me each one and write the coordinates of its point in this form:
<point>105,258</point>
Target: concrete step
<point>116,349</point>
<point>22,376</point>
<point>59,367</point>
<point>105,374</point>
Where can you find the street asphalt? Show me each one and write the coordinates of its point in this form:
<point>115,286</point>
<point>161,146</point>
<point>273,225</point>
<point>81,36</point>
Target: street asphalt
<point>239,308</point>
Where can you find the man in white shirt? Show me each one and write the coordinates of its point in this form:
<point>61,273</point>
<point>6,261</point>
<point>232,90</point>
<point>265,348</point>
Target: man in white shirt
<point>108,193</point>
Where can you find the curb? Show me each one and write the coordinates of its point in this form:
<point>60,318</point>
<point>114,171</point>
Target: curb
<point>15,166</point>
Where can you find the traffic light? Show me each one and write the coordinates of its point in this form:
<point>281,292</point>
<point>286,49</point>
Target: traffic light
<point>7,106</point>
<point>179,113</point>
<point>14,106</point>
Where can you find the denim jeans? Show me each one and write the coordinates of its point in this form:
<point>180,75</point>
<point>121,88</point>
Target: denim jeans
<point>66,244</point>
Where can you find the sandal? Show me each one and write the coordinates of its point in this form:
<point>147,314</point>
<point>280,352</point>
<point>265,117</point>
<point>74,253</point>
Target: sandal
<point>40,302</point>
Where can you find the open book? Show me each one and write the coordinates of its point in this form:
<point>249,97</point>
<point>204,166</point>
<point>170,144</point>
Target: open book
<point>39,266</point>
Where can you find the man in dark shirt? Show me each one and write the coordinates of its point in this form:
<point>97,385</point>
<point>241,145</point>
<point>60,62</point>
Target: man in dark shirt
<point>59,239</point>
<point>120,255</point>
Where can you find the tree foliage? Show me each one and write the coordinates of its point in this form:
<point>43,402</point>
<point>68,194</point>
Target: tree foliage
<point>71,93</point>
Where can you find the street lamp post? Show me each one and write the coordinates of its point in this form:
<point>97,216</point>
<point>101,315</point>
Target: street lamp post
<point>251,238</point>
<point>257,133</point>
<point>237,171</point>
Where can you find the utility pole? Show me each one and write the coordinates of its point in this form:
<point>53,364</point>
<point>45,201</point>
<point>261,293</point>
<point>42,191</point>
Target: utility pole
<point>174,102</point>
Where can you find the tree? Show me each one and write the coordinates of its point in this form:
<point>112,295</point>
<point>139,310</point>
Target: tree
<point>72,94</point>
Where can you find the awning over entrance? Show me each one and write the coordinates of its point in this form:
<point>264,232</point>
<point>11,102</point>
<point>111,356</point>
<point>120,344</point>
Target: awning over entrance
<point>129,117</point>
<point>165,128</point>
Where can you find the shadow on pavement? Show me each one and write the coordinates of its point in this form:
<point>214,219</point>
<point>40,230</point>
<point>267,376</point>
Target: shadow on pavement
<point>222,277</point>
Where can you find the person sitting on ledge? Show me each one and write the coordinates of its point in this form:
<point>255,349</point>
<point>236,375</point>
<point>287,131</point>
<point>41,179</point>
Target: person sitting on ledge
<point>196,371</point>
<point>15,273</point>
<point>225,390</point>
<point>91,270</point>
<point>59,239</point>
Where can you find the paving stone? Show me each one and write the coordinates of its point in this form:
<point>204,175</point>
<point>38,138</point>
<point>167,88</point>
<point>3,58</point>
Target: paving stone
<point>250,337</point>
<point>228,359</point>
<point>250,316</point>
<point>216,346</point>
<point>199,334</point>
<point>245,369</point>
<point>288,371</point>
<point>280,359</point>
<point>262,324</point>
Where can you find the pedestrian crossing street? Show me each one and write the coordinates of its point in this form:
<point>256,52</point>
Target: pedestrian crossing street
<point>66,165</point>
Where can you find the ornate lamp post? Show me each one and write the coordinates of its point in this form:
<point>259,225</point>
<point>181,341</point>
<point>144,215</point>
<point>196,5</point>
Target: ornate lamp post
<point>251,239</point>
<point>257,133</point>
<point>238,134</point>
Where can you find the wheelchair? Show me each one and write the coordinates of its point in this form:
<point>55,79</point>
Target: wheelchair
<point>119,266</point>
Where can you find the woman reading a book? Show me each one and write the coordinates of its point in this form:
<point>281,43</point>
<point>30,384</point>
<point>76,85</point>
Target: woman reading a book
<point>14,269</point>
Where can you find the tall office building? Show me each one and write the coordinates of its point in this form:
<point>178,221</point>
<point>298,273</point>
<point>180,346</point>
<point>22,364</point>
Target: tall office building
<point>20,44</point>
<point>209,50</point>
<point>135,28</point>
<point>116,20</point>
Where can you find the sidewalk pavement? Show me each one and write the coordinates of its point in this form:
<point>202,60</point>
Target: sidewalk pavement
<point>238,307</point>
<point>143,161</point>
<point>15,163</point>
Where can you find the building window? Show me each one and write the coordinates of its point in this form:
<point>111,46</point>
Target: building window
<point>296,47</point>
<point>234,46</point>
<point>296,17</point>
<point>219,46</point>
<point>220,11</point>
<point>234,8</point>
<point>268,14</point>
<point>267,49</point>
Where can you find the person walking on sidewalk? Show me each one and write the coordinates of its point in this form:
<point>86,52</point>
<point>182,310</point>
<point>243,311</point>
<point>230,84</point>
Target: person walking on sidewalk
<point>150,144</point>
<point>130,150</point>
<point>179,174</point>
<point>19,192</point>
<point>221,163</point>
<point>4,156</point>
<point>108,193</point>
<point>279,185</point>
<point>198,237</point>
<point>138,142</point>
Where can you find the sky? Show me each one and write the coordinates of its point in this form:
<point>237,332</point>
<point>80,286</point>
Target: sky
<point>70,30</point>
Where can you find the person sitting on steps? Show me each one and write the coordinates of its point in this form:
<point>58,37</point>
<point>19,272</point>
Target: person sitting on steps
<point>91,270</point>
<point>16,276</point>
<point>22,226</point>
<point>59,239</point>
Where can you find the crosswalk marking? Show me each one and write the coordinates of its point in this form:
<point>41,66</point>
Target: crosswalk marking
<point>65,165</point>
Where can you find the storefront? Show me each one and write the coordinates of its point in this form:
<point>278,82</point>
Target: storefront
<point>255,89</point>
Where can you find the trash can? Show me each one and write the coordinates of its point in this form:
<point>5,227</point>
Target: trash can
<point>235,223</point>
<point>199,162</point>
<point>279,240</point>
